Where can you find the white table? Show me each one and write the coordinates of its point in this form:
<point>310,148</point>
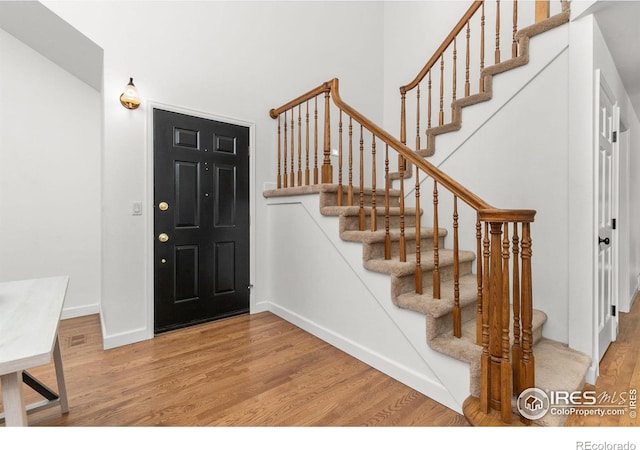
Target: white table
<point>29,315</point>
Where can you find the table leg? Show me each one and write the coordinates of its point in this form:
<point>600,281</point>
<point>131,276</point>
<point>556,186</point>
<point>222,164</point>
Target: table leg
<point>14,407</point>
<point>62,387</point>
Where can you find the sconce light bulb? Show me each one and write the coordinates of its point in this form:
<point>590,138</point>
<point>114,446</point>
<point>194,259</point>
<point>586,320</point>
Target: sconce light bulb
<point>130,98</point>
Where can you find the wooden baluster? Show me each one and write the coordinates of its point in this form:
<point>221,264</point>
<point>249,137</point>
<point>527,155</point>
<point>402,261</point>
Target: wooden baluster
<point>482,21</point>
<point>279,181</point>
<point>479,279</point>
<point>514,43</point>
<point>542,10</point>
<point>350,187</point>
<point>441,116</point>
<point>506,376</point>
<point>495,313</point>
<point>299,145</point>
<point>387,201</point>
<point>361,214</point>
<point>285,175</point>
<point>527,376</point>
<point>418,273</point>
<point>467,85</point>
<point>292,176</point>
<point>516,350</point>
<point>457,320</point>
<point>327,168</point>
<point>418,118</point>
<point>454,82</point>
<point>340,190</point>
<point>403,117</point>
<point>402,250</point>
<point>307,174</point>
<point>497,31</point>
<point>485,359</point>
<point>315,141</point>
<point>429,102</point>
<point>374,211</point>
<point>436,244</point>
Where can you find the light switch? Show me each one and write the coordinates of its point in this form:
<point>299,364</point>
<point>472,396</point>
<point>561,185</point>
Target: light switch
<point>136,210</point>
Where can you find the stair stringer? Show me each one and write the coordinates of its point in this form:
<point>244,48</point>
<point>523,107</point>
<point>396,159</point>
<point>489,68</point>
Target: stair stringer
<point>386,337</point>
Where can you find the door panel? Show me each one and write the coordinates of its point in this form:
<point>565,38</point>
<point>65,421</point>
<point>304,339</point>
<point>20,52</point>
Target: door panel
<point>607,128</point>
<point>201,172</point>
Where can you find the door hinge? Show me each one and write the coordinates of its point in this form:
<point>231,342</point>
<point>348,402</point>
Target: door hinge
<point>613,224</point>
<point>615,136</point>
<point>613,310</point>
<point>250,287</point>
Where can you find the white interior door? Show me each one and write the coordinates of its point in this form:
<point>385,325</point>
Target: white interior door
<point>607,189</point>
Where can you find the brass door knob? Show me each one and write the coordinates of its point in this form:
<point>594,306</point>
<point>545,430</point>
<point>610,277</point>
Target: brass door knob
<point>163,206</point>
<point>163,237</point>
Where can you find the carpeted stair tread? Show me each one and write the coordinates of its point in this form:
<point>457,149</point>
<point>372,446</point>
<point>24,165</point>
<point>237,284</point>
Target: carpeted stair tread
<point>398,268</point>
<point>291,191</point>
<point>333,189</point>
<point>374,237</point>
<point>465,348</point>
<point>558,368</point>
<point>355,211</point>
<point>549,356</point>
<point>436,308</point>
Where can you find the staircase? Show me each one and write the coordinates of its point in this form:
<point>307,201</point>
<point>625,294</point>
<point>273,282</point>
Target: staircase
<point>467,297</point>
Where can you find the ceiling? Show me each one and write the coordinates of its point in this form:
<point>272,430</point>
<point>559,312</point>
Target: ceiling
<point>619,22</point>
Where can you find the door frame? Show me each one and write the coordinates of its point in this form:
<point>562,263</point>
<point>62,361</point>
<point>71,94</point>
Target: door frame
<point>601,83</point>
<point>149,200</point>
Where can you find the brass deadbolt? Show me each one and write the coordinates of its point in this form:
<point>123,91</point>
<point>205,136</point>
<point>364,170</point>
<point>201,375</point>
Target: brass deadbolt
<point>163,237</point>
<point>163,206</point>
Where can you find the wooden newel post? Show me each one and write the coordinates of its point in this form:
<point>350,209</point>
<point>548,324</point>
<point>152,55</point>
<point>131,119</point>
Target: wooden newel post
<point>327,168</point>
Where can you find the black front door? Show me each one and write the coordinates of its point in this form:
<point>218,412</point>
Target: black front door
<point>201,219</point>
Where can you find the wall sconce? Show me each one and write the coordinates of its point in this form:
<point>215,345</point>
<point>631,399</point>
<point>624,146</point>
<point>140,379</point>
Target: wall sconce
<point>130,98</point>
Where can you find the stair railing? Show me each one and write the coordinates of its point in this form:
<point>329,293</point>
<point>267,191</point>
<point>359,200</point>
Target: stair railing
<point>486,28</point>
<point>502,237</point>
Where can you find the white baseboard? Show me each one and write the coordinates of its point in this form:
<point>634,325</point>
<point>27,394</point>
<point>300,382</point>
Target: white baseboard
<point>79,311</point>
<point>120,339</point>
<point>405,375</point>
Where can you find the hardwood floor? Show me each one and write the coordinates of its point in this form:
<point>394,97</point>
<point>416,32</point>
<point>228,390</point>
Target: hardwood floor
<point>262,371</point>
<point>251,370</point>
<point>619,371</point>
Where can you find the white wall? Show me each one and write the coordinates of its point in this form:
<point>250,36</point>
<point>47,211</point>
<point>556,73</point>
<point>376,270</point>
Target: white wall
<point>49,175</point>
<point>232,59</point>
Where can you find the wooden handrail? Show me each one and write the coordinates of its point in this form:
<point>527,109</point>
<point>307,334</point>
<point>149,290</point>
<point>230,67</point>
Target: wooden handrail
<point>445,44</point>
<point>486,211</point>
<point>275,112</point>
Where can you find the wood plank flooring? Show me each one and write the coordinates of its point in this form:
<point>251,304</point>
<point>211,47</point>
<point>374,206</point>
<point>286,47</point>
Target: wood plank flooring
<point>251,370</point>
<point>619,371</point>
<point>259,370</point>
